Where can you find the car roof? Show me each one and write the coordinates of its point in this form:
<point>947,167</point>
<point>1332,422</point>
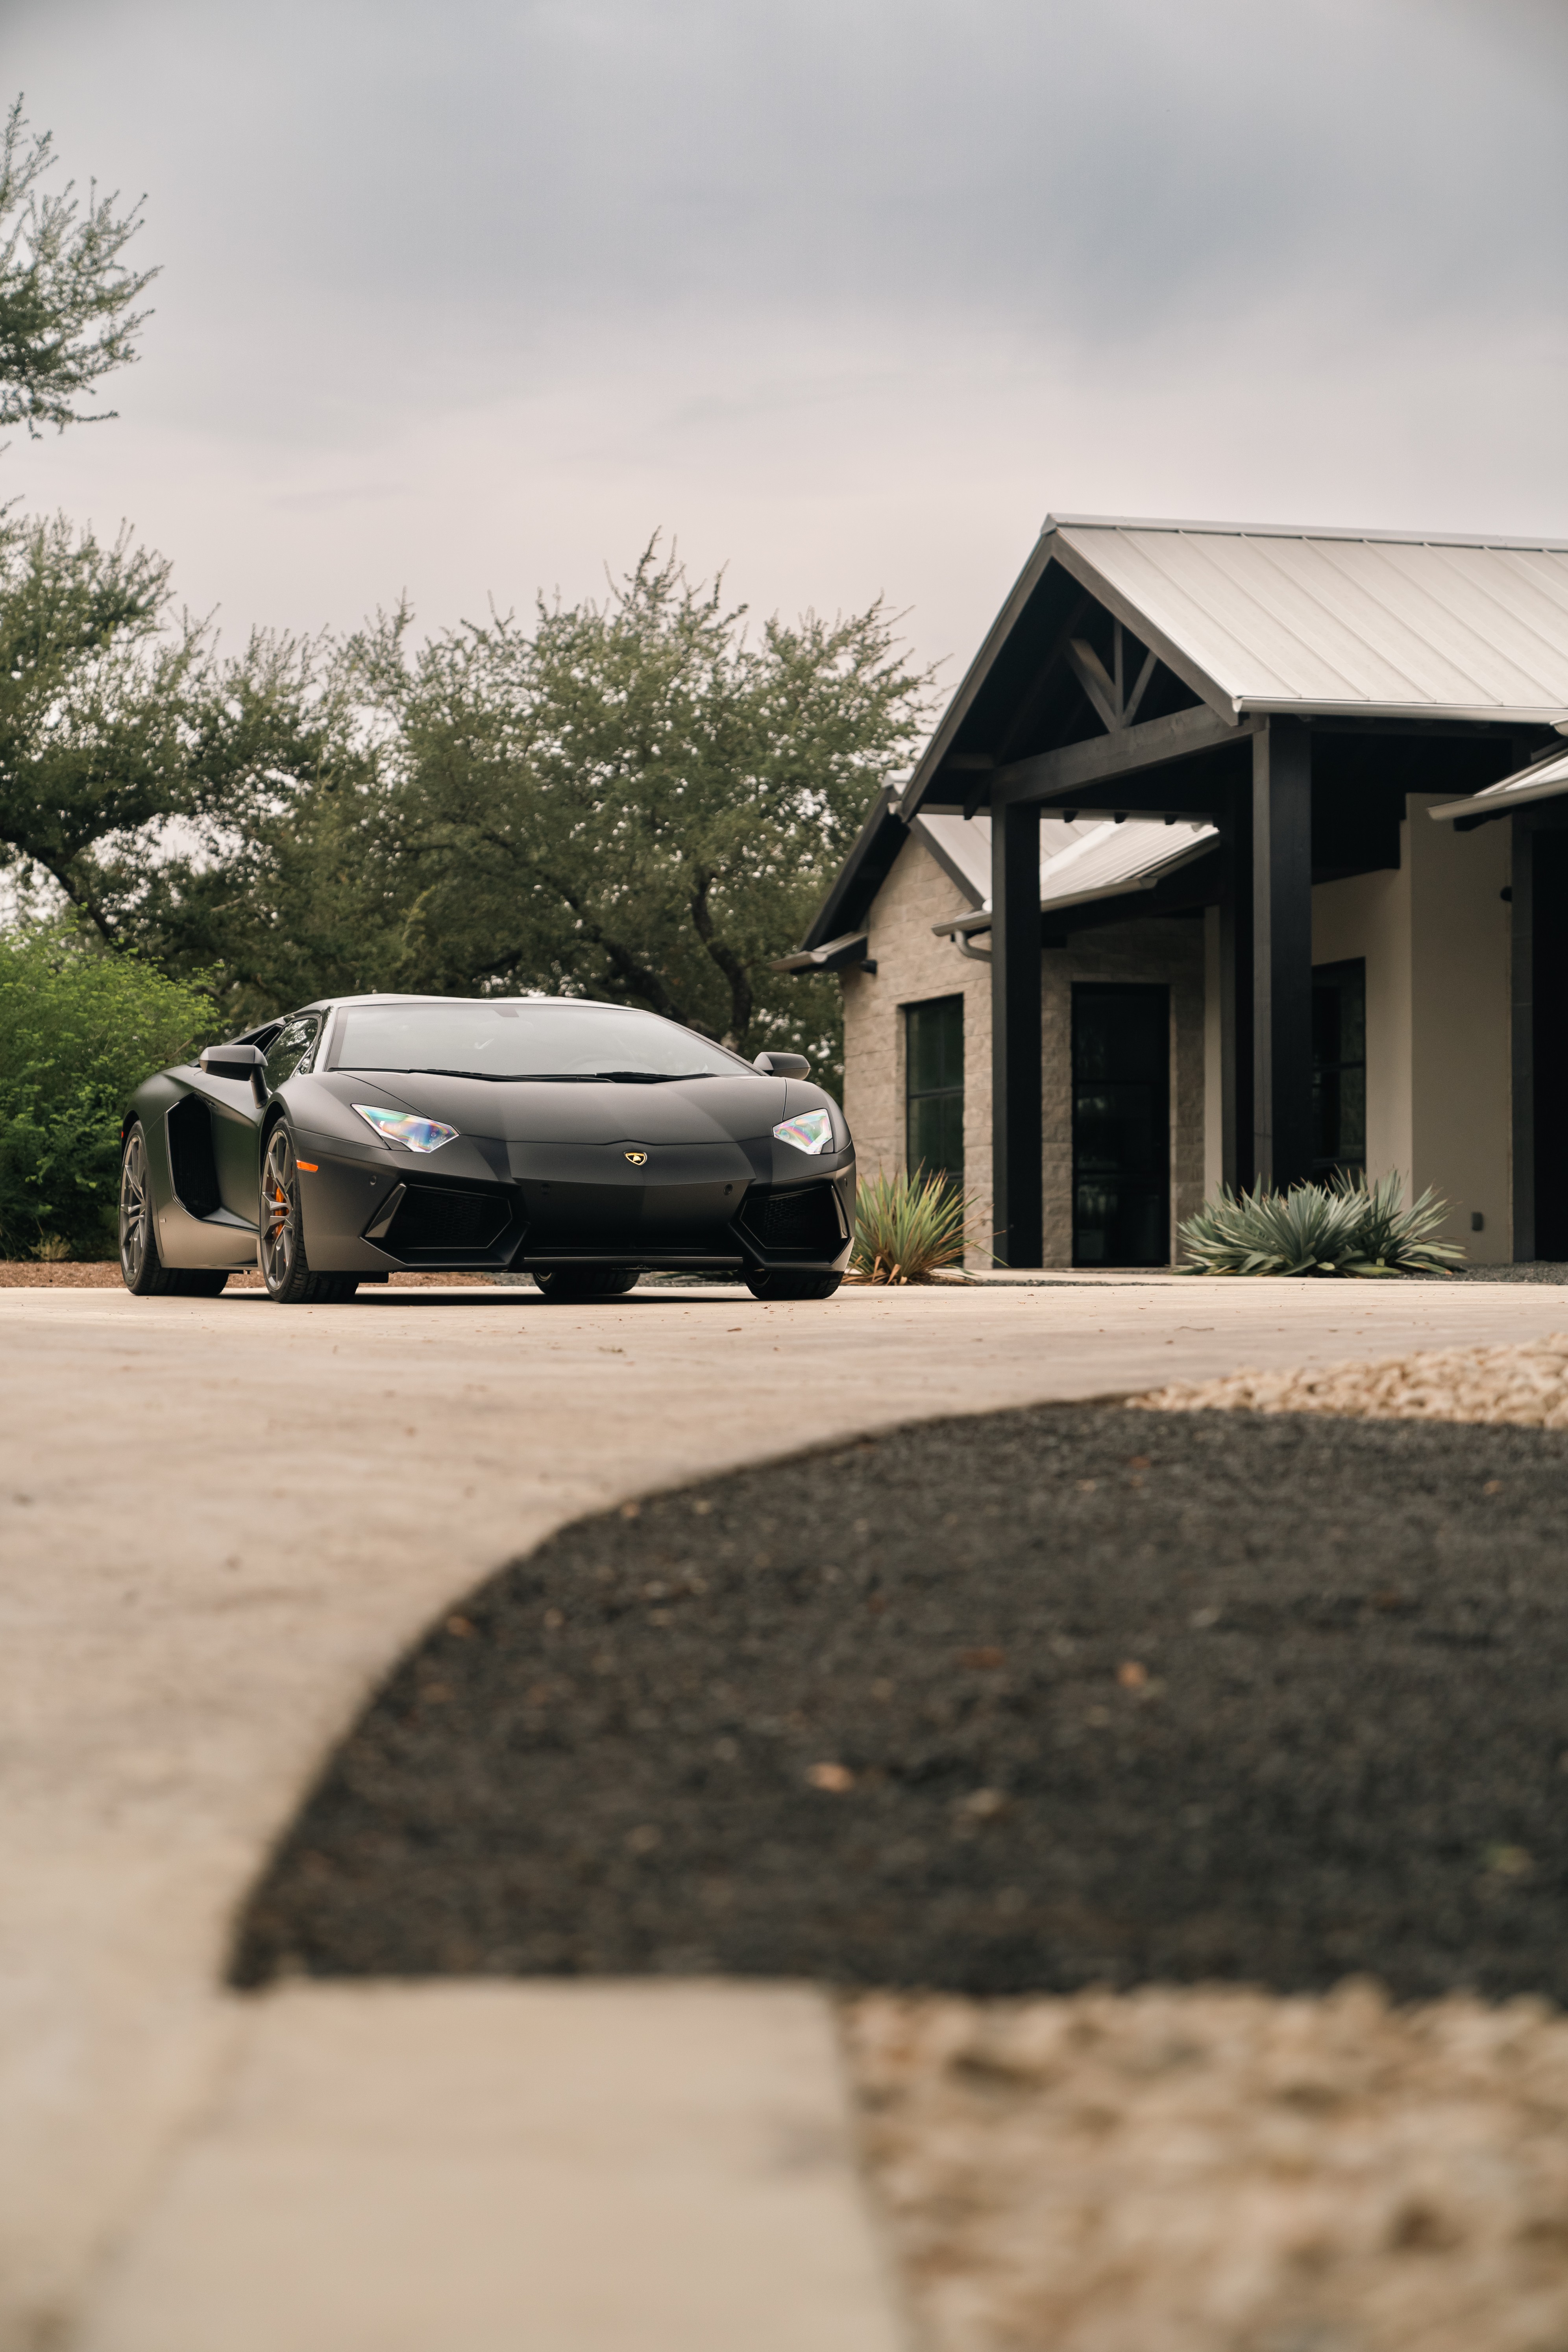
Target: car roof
<point>530,996</point>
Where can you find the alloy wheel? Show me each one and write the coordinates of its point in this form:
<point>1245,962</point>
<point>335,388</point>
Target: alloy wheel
<point>135,1214</point>
<point>279,1213</point>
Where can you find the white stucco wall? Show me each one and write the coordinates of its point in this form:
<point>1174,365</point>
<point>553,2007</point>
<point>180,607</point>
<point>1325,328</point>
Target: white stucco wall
<point>1435,938</point>
<point>1461,1025</point>
<point>1369,915</point>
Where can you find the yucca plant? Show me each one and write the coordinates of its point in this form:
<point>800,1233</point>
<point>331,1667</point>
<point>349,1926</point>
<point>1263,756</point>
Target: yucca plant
<point>1342,1227</point>
<point>908,1226</point>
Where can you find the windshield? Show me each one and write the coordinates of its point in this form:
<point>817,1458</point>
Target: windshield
<point>554,1038</point>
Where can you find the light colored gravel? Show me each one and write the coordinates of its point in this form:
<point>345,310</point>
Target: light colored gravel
<point>1218,2170</point>
<point>1527,1384</point>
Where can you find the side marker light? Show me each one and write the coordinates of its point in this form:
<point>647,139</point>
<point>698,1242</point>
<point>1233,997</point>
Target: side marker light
<point>308,1167</point>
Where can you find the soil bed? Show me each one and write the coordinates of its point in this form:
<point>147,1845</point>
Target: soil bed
<point>1033,1701</point>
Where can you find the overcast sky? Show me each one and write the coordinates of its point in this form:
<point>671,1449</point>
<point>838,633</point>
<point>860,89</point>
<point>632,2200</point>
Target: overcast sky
<point>468,298</point>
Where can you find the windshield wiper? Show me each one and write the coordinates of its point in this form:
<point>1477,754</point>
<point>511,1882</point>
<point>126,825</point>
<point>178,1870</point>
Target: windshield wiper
<point>643,1078</point>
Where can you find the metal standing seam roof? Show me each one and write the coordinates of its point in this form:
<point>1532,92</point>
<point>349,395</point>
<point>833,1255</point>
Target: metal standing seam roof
<point>1546,781</point>
<point>1328,621</point>
<point>1083,860</point>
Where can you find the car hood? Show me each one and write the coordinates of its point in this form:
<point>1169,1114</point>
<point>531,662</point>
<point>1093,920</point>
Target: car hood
<point>679,1110</point>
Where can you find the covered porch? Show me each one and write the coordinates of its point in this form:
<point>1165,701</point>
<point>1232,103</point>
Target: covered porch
<point>1309,696</point>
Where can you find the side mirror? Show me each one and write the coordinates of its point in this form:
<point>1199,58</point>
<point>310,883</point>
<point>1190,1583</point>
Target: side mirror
<point>783,1066</point>
<point>235,1061</point>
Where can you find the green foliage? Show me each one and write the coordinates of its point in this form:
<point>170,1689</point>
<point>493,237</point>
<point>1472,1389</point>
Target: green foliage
<point>1343,1227</point>
<point>908,1226</point>
<point>636,800</point>
<point>156,786</point>
<point>66,296</point>
<point>80,1027</point>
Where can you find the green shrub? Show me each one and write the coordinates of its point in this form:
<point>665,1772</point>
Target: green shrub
<point>1342,1227</point>
<point>906,1227</point>
<point>80,1027</point>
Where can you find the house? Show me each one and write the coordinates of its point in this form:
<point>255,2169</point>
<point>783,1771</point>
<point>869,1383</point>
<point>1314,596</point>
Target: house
<point>1240,854</point>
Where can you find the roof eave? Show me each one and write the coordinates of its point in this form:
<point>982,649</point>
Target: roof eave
<point>829,921</point>
<point>1304,530</point>
<point>1494,713</point>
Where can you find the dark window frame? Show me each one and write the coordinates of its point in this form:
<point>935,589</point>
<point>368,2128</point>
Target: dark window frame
<point>950,1092</point>
<point>1348,975</point>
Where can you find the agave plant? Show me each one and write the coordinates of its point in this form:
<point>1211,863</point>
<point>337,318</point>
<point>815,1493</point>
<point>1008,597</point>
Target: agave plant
<point>908,1226</point>
<point>1395,1239</point>
<point>1341,1227</point>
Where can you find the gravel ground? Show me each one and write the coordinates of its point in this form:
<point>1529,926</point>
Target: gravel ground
<point>1525,1383</point>
<point>1034,1701</point>
<point>1220,2171</point>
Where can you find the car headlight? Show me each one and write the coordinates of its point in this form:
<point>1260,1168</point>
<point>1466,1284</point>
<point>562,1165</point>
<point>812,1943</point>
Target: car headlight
<point>812,1131</point>
<point>401,1127</point>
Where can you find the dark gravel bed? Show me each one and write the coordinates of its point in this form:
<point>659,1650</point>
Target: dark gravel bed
<point>1021,1702</point>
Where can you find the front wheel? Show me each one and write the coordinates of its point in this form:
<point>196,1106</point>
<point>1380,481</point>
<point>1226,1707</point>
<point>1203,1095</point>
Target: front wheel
<point>581,1283</point>
<point>142,1269</point>
<point>793,1285</point>
<point>285,1269</point>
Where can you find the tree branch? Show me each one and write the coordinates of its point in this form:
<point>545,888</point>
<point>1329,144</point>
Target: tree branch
<point>735,973</point>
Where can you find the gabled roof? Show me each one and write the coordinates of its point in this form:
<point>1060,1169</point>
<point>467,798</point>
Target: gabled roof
<point>1397,624</point>
<point>1338,621</point>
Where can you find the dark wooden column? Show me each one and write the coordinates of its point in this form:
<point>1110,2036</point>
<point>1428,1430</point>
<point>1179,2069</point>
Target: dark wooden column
<point>1017,1146</point>
<point>1522,882</point>
<point>1236,990</point>
<point>1282,953</point>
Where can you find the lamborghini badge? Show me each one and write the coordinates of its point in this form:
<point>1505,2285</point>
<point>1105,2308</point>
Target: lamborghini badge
<point>638,1159</point>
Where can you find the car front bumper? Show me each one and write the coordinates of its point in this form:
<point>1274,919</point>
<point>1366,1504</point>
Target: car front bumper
<point>704,1209</point>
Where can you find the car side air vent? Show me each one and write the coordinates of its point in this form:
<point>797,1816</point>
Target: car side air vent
<point>430,1219</point>
<point>799,1217</point>
<point>192,1162</point>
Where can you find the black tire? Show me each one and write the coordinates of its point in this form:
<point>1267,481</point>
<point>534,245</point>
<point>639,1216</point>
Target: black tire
<point>577,1283</point>
<point>197,1281</point>
<point>142,1269</point>
<point>285,1269</point>
<point>793,1285</point>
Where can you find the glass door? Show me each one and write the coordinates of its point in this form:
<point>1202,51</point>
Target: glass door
<point>1121,1124</point>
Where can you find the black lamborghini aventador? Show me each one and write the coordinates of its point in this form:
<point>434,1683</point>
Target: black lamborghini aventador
<point>583,1143</point>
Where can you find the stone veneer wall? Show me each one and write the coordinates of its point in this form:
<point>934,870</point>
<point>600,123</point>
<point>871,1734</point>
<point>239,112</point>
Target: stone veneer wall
<point>912,965</point>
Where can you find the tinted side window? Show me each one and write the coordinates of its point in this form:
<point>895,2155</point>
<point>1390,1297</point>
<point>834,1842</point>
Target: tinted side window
<point>290,1047</point>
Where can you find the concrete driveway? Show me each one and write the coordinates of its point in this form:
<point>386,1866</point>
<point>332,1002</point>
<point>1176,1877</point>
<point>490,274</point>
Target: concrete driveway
<point>222,1520</point>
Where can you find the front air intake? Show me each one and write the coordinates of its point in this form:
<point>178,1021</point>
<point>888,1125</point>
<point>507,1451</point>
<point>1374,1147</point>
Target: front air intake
<point>802,1217</point>
<point>429,1218</point>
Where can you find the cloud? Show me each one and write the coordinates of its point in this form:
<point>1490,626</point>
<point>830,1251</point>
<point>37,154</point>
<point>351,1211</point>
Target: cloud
<point>848,290</point>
